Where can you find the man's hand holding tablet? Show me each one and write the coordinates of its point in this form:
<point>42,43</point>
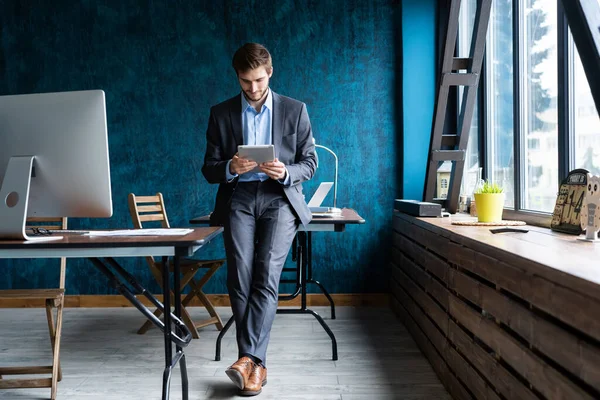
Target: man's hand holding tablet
<point>249,158</point>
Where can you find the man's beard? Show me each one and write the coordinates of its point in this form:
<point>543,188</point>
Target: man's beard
<point>261,95</point>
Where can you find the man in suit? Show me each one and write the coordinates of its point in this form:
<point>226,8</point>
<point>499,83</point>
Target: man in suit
<point>259,209</point>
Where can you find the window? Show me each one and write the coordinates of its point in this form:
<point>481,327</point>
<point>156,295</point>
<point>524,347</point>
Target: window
<point>533,143</point>
<point>465,34</point>
<point>499,98</point>
<point>538,108</point>
<point>585,124</point>
<point>520,117</point>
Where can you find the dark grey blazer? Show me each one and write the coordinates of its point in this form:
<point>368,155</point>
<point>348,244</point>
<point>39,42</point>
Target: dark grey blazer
<point>294,146</point>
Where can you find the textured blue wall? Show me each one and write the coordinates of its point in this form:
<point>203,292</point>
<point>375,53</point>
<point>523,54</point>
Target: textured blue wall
<point>163,64</point>
<point>418,90</point>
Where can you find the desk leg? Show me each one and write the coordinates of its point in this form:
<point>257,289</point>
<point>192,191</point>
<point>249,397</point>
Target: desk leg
<point>182,337</point>
<point>220,337</point>
<point>178,349</point>
<point>303,265</point>
<point>167,333</point>
<point>171,362</point>
<point>304,276</point>
<point>310,275</point>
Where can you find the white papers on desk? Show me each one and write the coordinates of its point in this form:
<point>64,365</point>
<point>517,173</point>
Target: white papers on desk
<point>328,214</point>
<point>324,215</point>
<point>143,232</point>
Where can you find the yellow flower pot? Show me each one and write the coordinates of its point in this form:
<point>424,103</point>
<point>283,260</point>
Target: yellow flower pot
<point>489,206</point>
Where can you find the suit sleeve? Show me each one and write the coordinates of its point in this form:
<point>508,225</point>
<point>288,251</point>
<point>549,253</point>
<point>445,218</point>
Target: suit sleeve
<point>305,163</point>
<point>214,168</point>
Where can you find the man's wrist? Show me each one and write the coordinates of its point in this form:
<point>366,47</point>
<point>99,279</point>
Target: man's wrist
<point>228,174</point>
<point>286,178</point>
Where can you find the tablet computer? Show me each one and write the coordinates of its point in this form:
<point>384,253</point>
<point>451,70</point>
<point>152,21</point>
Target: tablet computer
<point>258,153</point>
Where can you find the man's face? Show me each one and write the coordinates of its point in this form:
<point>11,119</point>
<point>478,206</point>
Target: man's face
<point>255,82</point>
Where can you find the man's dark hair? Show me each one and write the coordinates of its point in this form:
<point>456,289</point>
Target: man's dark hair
<point>251,56</point>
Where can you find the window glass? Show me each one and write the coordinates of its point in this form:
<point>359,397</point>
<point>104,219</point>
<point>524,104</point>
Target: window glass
<point>499,98</point>
<point>585,124</point>
<point>465,34</point>
<point>539,138</point>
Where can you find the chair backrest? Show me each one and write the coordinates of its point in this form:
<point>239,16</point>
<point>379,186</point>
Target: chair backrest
<point>148,209</point>
<point>52,223</point>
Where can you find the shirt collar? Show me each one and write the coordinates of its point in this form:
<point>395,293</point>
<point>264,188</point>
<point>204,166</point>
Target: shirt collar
<point>268,101</point>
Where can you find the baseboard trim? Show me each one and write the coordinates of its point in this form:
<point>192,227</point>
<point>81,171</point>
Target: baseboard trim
<point>218,300</point>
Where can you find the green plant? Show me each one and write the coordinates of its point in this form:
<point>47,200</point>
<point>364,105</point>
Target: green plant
<point>489,187</point>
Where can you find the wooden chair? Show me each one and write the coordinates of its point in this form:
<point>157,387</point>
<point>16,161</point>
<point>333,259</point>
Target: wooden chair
<point>54,299</point>
<point>152,208</point>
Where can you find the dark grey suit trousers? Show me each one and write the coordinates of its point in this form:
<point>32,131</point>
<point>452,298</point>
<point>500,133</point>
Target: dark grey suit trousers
<point>258,234</point>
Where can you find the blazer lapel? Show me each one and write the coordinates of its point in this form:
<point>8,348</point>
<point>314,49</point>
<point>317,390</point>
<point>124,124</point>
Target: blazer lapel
<point>235,115</point>
<point>278,118</point>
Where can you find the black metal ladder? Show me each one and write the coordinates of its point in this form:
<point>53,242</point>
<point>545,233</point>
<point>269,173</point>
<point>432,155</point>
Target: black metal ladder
<point>452,147</point>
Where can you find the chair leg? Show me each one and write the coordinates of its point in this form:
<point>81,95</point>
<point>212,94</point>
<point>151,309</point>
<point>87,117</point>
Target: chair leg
<point>50,305</point>
<point>197,291</point>
<point>148,324</point>
<point>211,310</point>
<point>187,320</point>
<point>56,369</point>
<point>55,336</point>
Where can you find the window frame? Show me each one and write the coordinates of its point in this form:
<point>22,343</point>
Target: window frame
<point>564,108</point>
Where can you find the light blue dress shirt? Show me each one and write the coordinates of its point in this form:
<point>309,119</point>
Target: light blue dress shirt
<point>256,129</point>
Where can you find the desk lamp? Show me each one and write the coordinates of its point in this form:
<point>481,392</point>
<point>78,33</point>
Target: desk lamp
<point>335,179</point>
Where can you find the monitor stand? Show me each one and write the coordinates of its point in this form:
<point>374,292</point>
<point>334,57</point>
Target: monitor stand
<point>14,197</point>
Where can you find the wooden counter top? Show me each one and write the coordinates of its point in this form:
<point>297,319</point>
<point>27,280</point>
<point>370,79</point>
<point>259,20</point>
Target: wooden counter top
<point>558,257</point>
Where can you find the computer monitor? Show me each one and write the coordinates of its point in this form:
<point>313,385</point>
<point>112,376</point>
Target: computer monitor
<point>53,158</point>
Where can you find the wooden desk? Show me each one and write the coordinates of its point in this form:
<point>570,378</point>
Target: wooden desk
<point>96,247</point>
<point>302,254</point>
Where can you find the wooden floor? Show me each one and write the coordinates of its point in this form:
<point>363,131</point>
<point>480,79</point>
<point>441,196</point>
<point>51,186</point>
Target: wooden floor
<point>103,358</point>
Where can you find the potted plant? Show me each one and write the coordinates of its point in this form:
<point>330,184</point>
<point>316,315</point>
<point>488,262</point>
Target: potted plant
<point>489,199</point>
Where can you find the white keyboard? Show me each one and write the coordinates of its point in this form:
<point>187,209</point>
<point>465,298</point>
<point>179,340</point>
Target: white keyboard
<point>68,231</point>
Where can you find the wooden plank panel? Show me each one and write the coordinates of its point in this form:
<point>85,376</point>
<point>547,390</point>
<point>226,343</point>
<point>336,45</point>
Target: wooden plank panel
<point>436,265</point>
<point>573,308</point>
<point>543,377</point>
<point>421,236</point>
<point>506,383</point>
<point>579,357</point>
<point>434,336</point>
<point>467,374</point>
<point>567,305</point>
<point>422,278</point>
<point>416,274</point>
<point>454,387</point>
<point>435,312</point>
<point>509,263</point>
<point>457,364</point>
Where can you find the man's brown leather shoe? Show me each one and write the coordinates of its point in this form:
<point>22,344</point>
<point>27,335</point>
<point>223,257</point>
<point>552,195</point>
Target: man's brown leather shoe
<point>240,371</point>
<point>257,379</point>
